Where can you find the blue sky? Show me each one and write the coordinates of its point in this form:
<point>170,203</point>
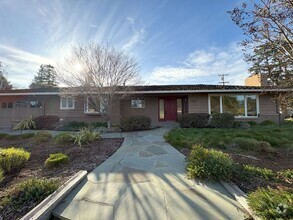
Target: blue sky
<point>174,41</point>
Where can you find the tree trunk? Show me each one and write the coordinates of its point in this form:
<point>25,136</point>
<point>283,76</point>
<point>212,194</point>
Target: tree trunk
<point>109,123</point>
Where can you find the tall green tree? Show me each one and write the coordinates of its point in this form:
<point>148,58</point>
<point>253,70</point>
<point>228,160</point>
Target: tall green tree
<point>46,77</point>
<point>4,83</point>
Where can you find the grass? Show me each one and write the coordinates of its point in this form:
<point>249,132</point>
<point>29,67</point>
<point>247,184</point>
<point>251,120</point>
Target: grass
<point>276,136</point>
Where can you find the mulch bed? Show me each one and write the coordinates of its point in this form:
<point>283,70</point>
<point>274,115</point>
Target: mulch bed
<point>85,158</point>
<point>276,162</point>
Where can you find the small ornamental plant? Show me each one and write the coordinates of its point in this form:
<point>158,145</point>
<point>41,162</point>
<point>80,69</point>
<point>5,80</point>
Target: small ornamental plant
<point>272,203</point>
<point>56,160</point>
<point>209,164</point>
<point>13,158</point>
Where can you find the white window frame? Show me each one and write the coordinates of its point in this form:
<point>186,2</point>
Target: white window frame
<point>86,106</point>
<point>132,100</point>
<point>245,103</point>
<point>66,107</point>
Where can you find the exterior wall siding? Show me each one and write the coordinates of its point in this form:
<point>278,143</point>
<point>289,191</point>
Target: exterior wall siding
<point>198,103</point>
<point>151,108</point>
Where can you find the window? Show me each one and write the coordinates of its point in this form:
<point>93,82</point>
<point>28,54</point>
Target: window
<point>93,106</point>
<point>7,105</point>
<point>239,105</point>
<point>179,108</point>
<point>137,103</point>
<point>67,103</point>
<point>162,109</point>
<point>35,104</point>
<point>20,104</point>
<point>215,104</point>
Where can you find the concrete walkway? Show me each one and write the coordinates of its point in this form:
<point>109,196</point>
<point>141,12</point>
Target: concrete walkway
<point>145,179</point>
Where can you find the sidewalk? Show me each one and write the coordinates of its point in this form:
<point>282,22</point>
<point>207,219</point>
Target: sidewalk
<point>145,179</point>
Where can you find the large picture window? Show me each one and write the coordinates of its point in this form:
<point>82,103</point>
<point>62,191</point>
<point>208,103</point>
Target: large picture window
<point>93,105</point>
<point>238,105</point>
<point>67,103</point>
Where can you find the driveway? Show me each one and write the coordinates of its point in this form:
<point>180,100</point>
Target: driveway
<point>146,179</point>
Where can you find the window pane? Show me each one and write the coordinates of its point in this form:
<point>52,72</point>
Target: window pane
<point>93,105</point>
<point>162,109</point>
<point>215,104</point>
<point>179,108</point>
<point>4,104</point>
<point>10,104</point>
<point>20,104</point>
<point>233,104</point>
<point>251,105</point>
<point>63,102</point>
<point>35,104</point>
<point>137,103</point>
<point>70,102</point>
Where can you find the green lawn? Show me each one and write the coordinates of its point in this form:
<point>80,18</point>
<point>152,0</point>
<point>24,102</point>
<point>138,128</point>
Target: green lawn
<point>276,136</point>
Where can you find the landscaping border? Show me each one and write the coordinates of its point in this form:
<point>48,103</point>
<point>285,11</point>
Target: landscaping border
<point>44,209</point>
<point>240,197</point>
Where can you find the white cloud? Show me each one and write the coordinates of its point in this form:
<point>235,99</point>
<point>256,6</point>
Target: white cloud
<point>203,67</point>
<point>135,39</point>
<point>93,26</point>
<point>130,19</point>
<point>21,62</point>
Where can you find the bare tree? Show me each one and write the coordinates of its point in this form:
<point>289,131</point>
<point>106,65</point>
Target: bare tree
<point>98,74</point>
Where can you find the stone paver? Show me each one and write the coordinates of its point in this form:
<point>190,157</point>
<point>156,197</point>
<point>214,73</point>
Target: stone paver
<point>146,179</point>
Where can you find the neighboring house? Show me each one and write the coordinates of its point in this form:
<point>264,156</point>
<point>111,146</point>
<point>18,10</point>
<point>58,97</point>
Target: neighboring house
<point>160,103</point>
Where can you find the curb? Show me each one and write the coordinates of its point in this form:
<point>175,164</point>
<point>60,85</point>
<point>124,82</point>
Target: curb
<point>240,197</point>
<point>44,209</point>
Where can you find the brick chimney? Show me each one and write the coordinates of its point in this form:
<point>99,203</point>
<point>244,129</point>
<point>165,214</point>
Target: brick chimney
<point>257,80</point>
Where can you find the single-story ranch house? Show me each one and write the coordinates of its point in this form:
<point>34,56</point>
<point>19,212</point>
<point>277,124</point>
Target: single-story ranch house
<point>160,103</point>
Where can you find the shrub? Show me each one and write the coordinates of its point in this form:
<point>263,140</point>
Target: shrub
<point>24,124</point>
<point>99,124</point>
<point>267,122</point>
<point>28,192</point>
<point>236,124</point>
<point>252,123</point>
<point>1,175</point>
<point>244,125</point>
<point>76,125</point>
<point>194,120</point>
<point>272,203</point>
<point>209,164</point>
<point>27,135</point>
<point>85,135</point>
<point>135,123</point>
<point>42,136</point>
<point>286,175</point>
<point>47,122</point>
<point>3,135</point>
<point>13,158</point>
<point>63,138</point>
<point>222,120</point>
<point>261,172</point>
<point>56,160</point>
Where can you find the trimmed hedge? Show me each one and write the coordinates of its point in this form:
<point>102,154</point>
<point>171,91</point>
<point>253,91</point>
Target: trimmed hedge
<point>56,160</point>
<point>222,120</point>
<point>209,164</point>
<point>194,120</point>
<point>135,123</point>
<point>46,122</point>
<point>13,158</point>
<point>272,203</point>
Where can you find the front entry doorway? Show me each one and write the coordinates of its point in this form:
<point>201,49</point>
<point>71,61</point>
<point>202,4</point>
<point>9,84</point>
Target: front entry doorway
<point>171,108</point>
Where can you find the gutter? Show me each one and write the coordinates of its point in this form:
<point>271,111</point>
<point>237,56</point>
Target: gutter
<point>158,92</point>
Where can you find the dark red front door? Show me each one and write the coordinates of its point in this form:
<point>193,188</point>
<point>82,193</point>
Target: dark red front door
<point>171,108</point>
